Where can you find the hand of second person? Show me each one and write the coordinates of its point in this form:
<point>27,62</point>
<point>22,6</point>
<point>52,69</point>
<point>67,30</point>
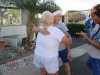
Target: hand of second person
<point>81,34</point>
<point>69,55</point>
<point>44,31</point>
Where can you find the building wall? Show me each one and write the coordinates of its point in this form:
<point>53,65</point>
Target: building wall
<point>13,30</point>
<point>13,34</point>
<point>66,18</point>
<point>23,17</point>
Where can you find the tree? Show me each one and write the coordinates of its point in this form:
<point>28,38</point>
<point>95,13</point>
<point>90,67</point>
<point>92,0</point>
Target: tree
<point>31,7</point>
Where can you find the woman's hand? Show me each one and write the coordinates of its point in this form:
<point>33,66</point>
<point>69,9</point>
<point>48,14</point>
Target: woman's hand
<point>44,31</point>
<point>81,34</point>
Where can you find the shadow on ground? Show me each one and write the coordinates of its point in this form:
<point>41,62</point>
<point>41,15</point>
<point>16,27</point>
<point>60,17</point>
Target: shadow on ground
<point>78,66</point>
<point>76,41</point>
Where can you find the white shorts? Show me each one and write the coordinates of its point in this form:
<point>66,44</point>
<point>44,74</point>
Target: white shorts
<point>50,64</point>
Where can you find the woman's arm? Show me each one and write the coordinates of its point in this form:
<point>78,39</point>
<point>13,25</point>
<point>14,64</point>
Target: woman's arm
<point>92,42</point>
<point>66,40</point>
<point>41,30</point>
<point>36,29</point>
<point>67,34</point>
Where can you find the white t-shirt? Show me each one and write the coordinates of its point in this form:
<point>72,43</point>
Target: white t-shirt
<point>94,52</point>
<point>47,45</point>
<point>64,29</point>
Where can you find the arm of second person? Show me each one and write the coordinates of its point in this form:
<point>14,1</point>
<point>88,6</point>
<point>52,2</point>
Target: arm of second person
<point>41,30</point>
<point>68,46</point>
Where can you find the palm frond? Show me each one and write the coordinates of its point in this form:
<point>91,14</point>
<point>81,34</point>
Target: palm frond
<point>33,6</point>
<point>48,5</point>
<point>26,5</point>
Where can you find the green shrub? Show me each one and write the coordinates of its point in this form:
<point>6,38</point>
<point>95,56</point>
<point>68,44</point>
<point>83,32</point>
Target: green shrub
<point>75,27</point>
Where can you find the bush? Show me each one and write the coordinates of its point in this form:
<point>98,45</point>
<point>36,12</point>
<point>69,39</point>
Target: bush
<point>75,27</point>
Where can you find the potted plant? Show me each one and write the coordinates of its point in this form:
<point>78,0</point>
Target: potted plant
<point>2,42</point>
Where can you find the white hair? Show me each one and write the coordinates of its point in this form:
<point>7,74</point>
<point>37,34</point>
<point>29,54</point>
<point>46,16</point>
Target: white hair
<point>47,18</point>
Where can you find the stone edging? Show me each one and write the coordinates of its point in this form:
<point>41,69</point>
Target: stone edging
<point>15,63</point>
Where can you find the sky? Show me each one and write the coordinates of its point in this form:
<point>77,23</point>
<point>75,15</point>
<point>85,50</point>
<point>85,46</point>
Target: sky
<point>76,4</point>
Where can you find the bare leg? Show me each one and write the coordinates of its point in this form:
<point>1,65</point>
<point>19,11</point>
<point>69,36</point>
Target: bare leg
<point>67,68</point>
<point>43,71</point>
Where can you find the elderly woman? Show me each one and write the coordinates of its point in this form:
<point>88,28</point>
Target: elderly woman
<point>46,51</point>
<point>93,61</point>
<point>64,50</point>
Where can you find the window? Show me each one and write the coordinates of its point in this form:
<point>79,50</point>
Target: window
<point>10,17</point>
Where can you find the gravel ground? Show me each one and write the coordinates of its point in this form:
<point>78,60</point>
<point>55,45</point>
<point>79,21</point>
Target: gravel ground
<point>11,52</point>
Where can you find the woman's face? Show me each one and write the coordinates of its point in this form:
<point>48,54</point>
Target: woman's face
<point>95,18</point>
<point>57,18</point>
